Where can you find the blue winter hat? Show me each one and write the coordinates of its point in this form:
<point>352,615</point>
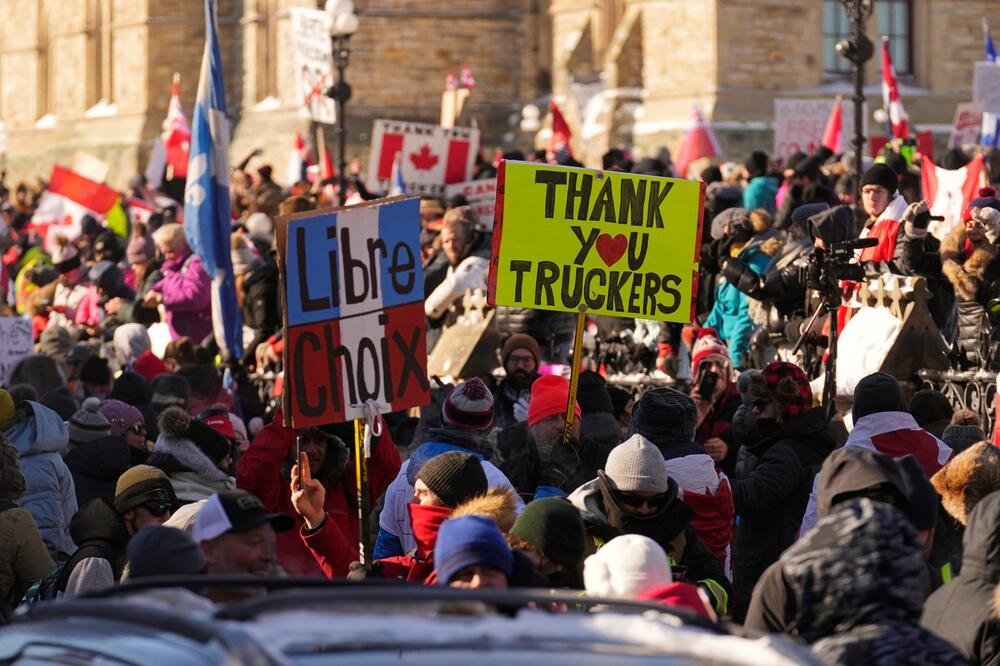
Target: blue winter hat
<point>470,541</point>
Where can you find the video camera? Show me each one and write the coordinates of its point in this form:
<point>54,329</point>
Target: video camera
<point>827,267</point>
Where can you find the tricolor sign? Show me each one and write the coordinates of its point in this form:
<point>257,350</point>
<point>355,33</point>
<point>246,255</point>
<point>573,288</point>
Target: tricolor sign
<point>431,157</point>
<point>606,242</point>
<point>353,311</point>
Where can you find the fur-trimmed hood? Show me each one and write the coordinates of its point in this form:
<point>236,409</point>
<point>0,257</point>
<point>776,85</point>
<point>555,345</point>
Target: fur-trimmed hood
<point>179,454</point>
<point>965,273</point>
<point>968,478</point>
<point>500,504</point>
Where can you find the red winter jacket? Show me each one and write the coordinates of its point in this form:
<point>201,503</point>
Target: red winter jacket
<point>259,471</point>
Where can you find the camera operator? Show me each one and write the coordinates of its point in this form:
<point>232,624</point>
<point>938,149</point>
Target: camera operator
<point>783,289</point>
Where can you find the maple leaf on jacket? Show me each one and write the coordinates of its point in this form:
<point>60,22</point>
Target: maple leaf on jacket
<point>424,160</point>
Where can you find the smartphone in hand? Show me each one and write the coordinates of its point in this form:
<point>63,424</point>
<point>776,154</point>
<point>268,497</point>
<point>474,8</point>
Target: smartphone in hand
<point>298,459</point>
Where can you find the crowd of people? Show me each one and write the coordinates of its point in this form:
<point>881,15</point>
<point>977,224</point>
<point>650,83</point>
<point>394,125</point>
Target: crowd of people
<point>130,448</point>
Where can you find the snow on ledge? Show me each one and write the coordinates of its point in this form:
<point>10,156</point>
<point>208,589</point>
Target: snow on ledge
<point>47,121</point>
<point>102,109</point>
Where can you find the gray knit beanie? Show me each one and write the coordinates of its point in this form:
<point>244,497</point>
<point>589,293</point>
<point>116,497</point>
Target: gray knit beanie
<point>88,424</point>
<point>961,436</point>
<point>637,466</point>
<point>665,417</point>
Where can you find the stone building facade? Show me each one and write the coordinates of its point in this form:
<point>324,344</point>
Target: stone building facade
<point>630,71</point>
<point>94,75</point>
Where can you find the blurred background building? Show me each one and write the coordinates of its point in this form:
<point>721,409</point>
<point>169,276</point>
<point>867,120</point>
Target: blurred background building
<point>94,75</point>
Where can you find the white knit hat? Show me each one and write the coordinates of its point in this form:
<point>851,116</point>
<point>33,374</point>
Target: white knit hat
<point>626,567</point>
<point>636,465</point>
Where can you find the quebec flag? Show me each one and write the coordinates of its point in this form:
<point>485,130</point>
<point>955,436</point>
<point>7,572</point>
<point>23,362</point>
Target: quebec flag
<point>207,222</point>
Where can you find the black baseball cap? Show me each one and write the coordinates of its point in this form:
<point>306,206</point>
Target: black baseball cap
<point>235,511</point>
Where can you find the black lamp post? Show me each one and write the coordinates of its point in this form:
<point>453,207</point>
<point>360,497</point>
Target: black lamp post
<point>343,23</point>
<point>858,50</point>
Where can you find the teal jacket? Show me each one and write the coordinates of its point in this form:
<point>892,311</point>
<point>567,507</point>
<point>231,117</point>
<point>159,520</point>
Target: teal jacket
<point>760,193</point>
<point>730,315</point>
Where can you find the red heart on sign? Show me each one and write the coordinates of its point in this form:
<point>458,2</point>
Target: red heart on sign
<point>611,248</point>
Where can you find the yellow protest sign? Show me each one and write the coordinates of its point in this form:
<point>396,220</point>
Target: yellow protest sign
<point>612,243</point>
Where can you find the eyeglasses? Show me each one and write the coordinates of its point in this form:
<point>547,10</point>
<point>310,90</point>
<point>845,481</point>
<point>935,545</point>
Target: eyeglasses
<point>521,360</point>
<point>159,509</point>
<point>637,501</point>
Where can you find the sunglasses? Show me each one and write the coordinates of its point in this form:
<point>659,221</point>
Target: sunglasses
<point>636,501</point>
<point>159,509</point>
<point>138,429</point>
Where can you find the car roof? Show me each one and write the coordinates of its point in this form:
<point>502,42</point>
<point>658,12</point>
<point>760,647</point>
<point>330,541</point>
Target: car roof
<point>306,617</point>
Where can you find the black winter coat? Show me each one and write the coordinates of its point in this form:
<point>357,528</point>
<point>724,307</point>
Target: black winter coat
<point>771,500</point>
<point>921,257</point>
<point>516,454</point>
<point>96,467</point>
<point>962,611</point>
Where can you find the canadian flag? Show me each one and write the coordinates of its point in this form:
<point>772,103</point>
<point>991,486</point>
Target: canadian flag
<point>430,156</point>
<point>891,101</point>
<point>67,199</point>
<point>698,142</point>
<point>176,132</point>
<point>950,191</point>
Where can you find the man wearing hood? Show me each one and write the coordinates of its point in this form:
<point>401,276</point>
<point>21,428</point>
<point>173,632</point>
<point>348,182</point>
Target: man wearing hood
<point>962,611</point>
<point>849,474</point>
<point>467,415</point>
<point>881,423</point>
<point>635,495</point>
<point>41,438</point>
<point>856,582</point>
<point>772,495</point>
<point>143,496</point>
<point>264,469</point>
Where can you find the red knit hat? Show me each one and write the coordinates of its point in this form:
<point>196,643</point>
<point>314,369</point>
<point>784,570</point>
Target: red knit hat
<point>987,199</point>
<point>789,388</point>
<point>148,365</point>
<point>549,394</point>
<point>708,347</point>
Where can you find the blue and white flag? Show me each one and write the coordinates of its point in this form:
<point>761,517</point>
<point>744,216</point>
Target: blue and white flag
<point>396,183</point>
<point>207,222</point>
<point>989,48</point>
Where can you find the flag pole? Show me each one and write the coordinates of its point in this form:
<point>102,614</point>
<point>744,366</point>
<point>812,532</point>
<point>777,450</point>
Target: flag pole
<point>574,376</point>
<point>361,470</point>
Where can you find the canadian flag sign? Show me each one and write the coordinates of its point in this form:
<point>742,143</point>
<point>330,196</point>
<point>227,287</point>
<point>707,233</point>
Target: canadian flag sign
<point>67,199</point>
<point>432,157</point>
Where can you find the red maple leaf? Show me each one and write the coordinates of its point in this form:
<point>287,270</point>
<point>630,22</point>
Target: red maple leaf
<point>425,159</point>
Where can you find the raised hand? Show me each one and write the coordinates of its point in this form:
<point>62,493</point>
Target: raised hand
<point>309,500</point>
